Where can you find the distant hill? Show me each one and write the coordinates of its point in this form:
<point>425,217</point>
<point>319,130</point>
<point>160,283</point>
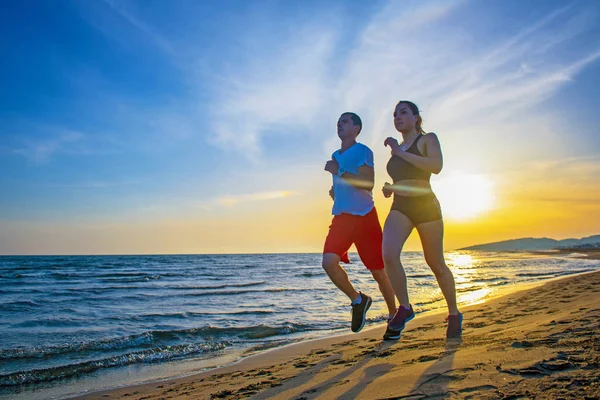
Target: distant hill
<point>535,244</point>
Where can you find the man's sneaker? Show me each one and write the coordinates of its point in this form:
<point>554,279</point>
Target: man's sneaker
<point>391,334</point>
<point>401,317</point>
<point>454,329</point>
<point>359,312</point>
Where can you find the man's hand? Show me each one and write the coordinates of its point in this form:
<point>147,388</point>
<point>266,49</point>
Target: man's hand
<point>332,166</point>
<point>331,193</point>
<point>387,190</point>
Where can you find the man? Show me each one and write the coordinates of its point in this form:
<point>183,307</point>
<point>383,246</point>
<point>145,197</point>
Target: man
<point>355,220</point>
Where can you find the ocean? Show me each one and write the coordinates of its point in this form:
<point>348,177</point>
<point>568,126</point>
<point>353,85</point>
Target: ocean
<point>73,324</point>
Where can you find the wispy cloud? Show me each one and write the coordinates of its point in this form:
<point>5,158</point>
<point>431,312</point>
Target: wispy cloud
<point>275,91</point>
<point>575,169</point>
<point>468,88</point>
<point>41,150</point>
<point>570,180</point>
<point>142,26</point>
<point>252,197</point>
<point>412,52</point>
<point>463,83</point>
<point>98,184</point>
<point>459,77</point>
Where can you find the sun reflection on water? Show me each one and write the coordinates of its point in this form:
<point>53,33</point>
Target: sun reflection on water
<point>464,268</point>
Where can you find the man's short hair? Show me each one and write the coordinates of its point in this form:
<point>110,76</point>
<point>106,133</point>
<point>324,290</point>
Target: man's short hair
<point>355,120</point>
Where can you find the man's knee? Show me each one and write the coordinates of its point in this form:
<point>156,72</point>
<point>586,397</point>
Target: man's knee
<point>330,261</point>
<point>379,275</point>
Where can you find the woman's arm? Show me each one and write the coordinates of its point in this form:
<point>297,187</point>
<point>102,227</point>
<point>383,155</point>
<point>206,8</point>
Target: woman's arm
<point>432,162</point>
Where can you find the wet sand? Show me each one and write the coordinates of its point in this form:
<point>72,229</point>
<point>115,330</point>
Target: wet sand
<point>542,342</point>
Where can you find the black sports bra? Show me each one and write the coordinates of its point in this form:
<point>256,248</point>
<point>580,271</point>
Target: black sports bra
<point>400,169</point>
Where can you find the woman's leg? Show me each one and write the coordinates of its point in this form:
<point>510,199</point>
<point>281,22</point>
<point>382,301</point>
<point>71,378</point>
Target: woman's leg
<point>396,230</point>
<point>432,239</point>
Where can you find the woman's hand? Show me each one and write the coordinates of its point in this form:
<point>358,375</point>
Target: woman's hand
<point>393,143</point>
<point>387,190</point>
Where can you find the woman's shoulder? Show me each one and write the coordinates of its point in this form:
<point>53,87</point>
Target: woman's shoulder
<point>430,136</point>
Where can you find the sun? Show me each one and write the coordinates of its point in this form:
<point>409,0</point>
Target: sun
<point>464,196</point>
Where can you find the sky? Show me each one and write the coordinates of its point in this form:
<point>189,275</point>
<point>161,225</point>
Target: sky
<point>154,127</point>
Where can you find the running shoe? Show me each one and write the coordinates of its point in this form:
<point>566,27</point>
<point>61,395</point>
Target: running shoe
<point>402,316</point>
<point>454,329</point>
<point>359,312</point>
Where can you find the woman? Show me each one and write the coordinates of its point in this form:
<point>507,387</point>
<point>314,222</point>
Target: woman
<point>415,206</point>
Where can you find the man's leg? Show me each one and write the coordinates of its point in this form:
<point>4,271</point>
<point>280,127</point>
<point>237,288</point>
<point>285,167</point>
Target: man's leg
<point>338,242</point>
<point>368,245</point>
<point>338,275</point>
<point>385,287</point>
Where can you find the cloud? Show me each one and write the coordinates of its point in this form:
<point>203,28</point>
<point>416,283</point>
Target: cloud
<point>570,180</point>
<point>244,198</point>
<point>483,95</point>
<point>41,150</point>
<point>575,169</point>
<point>269,84</point>
<point>98,184</point>
<point>459,77</point>
<point>276,85</point>
<point>281,89</point>
<point>141,26</point>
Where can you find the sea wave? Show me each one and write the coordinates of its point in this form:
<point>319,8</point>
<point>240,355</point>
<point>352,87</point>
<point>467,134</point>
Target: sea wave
<point>145,356</point>
<point>553,273</point>
<point>156,338</point>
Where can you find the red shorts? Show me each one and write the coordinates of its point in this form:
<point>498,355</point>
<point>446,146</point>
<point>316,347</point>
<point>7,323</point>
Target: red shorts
<point>363,231</point>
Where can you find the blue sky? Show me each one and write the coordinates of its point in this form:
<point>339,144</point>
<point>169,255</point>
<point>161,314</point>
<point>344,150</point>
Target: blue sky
<point>124,117</point>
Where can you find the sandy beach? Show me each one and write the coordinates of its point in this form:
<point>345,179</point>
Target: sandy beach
<point>541,342</point>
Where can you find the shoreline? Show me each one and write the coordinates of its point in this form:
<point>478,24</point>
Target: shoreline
<point>505,340</point>
<point>584,254</point>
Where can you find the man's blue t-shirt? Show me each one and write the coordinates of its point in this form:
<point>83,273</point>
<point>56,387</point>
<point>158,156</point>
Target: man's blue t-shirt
<point>347,198</point>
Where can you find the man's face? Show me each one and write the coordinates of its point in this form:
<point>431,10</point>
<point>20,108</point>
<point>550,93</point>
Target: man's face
<point>346,128</point>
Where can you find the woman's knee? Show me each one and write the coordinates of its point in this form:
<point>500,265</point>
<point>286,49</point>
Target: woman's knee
<point>438,267</point>
<point>390,256</point>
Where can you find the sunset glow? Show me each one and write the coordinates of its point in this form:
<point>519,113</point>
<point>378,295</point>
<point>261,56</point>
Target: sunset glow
<point>465,196</point>
<point>135,127</point>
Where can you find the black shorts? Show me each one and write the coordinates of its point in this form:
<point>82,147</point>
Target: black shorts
<point>419,209</point>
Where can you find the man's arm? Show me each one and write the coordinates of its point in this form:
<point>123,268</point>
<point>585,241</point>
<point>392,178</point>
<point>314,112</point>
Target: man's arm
<point>365,179</point>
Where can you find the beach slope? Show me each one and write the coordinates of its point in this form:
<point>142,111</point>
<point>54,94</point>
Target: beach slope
<point>542,342</point>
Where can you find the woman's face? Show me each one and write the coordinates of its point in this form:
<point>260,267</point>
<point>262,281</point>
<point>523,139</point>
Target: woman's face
<point>404,120</point>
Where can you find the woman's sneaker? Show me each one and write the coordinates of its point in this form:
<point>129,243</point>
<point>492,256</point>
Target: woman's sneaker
<point>401,317</point>
<point>391,334</point>
<point>359,312</point>
<point>454,329</point>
